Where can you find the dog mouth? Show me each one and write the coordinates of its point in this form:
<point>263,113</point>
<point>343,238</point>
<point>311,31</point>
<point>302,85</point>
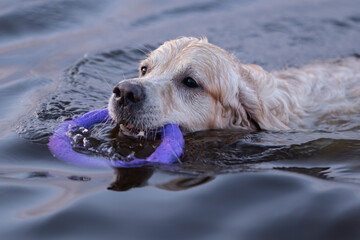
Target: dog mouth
<point>132,131</point>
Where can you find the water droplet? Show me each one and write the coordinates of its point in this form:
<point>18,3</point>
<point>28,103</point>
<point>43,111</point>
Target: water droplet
<point>86,143</point>
<point>78,139</point>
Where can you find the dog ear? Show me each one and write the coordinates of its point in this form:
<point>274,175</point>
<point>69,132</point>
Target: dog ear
<point>248,112</point>
<point>254,113</point>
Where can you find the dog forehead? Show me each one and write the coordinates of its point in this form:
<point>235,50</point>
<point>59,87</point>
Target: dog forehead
<point>179,49</point>
<point>210,65</point>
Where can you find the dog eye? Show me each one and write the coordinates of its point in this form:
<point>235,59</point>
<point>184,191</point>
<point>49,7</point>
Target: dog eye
<point>143,70</point>
<point>189,82</point>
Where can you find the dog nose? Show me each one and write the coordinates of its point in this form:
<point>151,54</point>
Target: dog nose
<point>128,93</point>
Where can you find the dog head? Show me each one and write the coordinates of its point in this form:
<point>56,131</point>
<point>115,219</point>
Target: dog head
<point>188,82</point>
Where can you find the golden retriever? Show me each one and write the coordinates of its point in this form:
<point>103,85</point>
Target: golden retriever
<point>197,85</point>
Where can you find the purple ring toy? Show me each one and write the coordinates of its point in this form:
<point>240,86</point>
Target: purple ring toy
<point>169,151</point>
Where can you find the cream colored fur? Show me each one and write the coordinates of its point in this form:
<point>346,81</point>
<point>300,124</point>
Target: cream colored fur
<point>237,95</point>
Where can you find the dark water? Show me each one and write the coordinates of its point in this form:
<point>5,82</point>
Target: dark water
<point>59,59</point>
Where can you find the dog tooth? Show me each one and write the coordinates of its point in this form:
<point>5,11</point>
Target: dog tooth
<point>122,127</point>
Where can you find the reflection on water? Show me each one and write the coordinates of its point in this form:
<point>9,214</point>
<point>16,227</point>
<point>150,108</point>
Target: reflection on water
<point>185,183</point>
<point>61,58</point>
<point>127,178</point>
<point>69,187</point>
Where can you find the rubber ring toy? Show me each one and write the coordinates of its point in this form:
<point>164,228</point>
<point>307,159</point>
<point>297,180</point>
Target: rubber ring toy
<point>61,145</point>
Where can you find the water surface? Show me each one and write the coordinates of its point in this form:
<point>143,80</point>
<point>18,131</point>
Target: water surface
<point>59,59</point>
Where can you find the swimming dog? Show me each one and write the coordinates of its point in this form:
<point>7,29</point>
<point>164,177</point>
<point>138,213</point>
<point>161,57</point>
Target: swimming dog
<point>197,85</point>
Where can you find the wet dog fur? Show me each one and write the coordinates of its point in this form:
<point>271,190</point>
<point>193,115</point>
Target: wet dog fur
<point>197,85</point>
